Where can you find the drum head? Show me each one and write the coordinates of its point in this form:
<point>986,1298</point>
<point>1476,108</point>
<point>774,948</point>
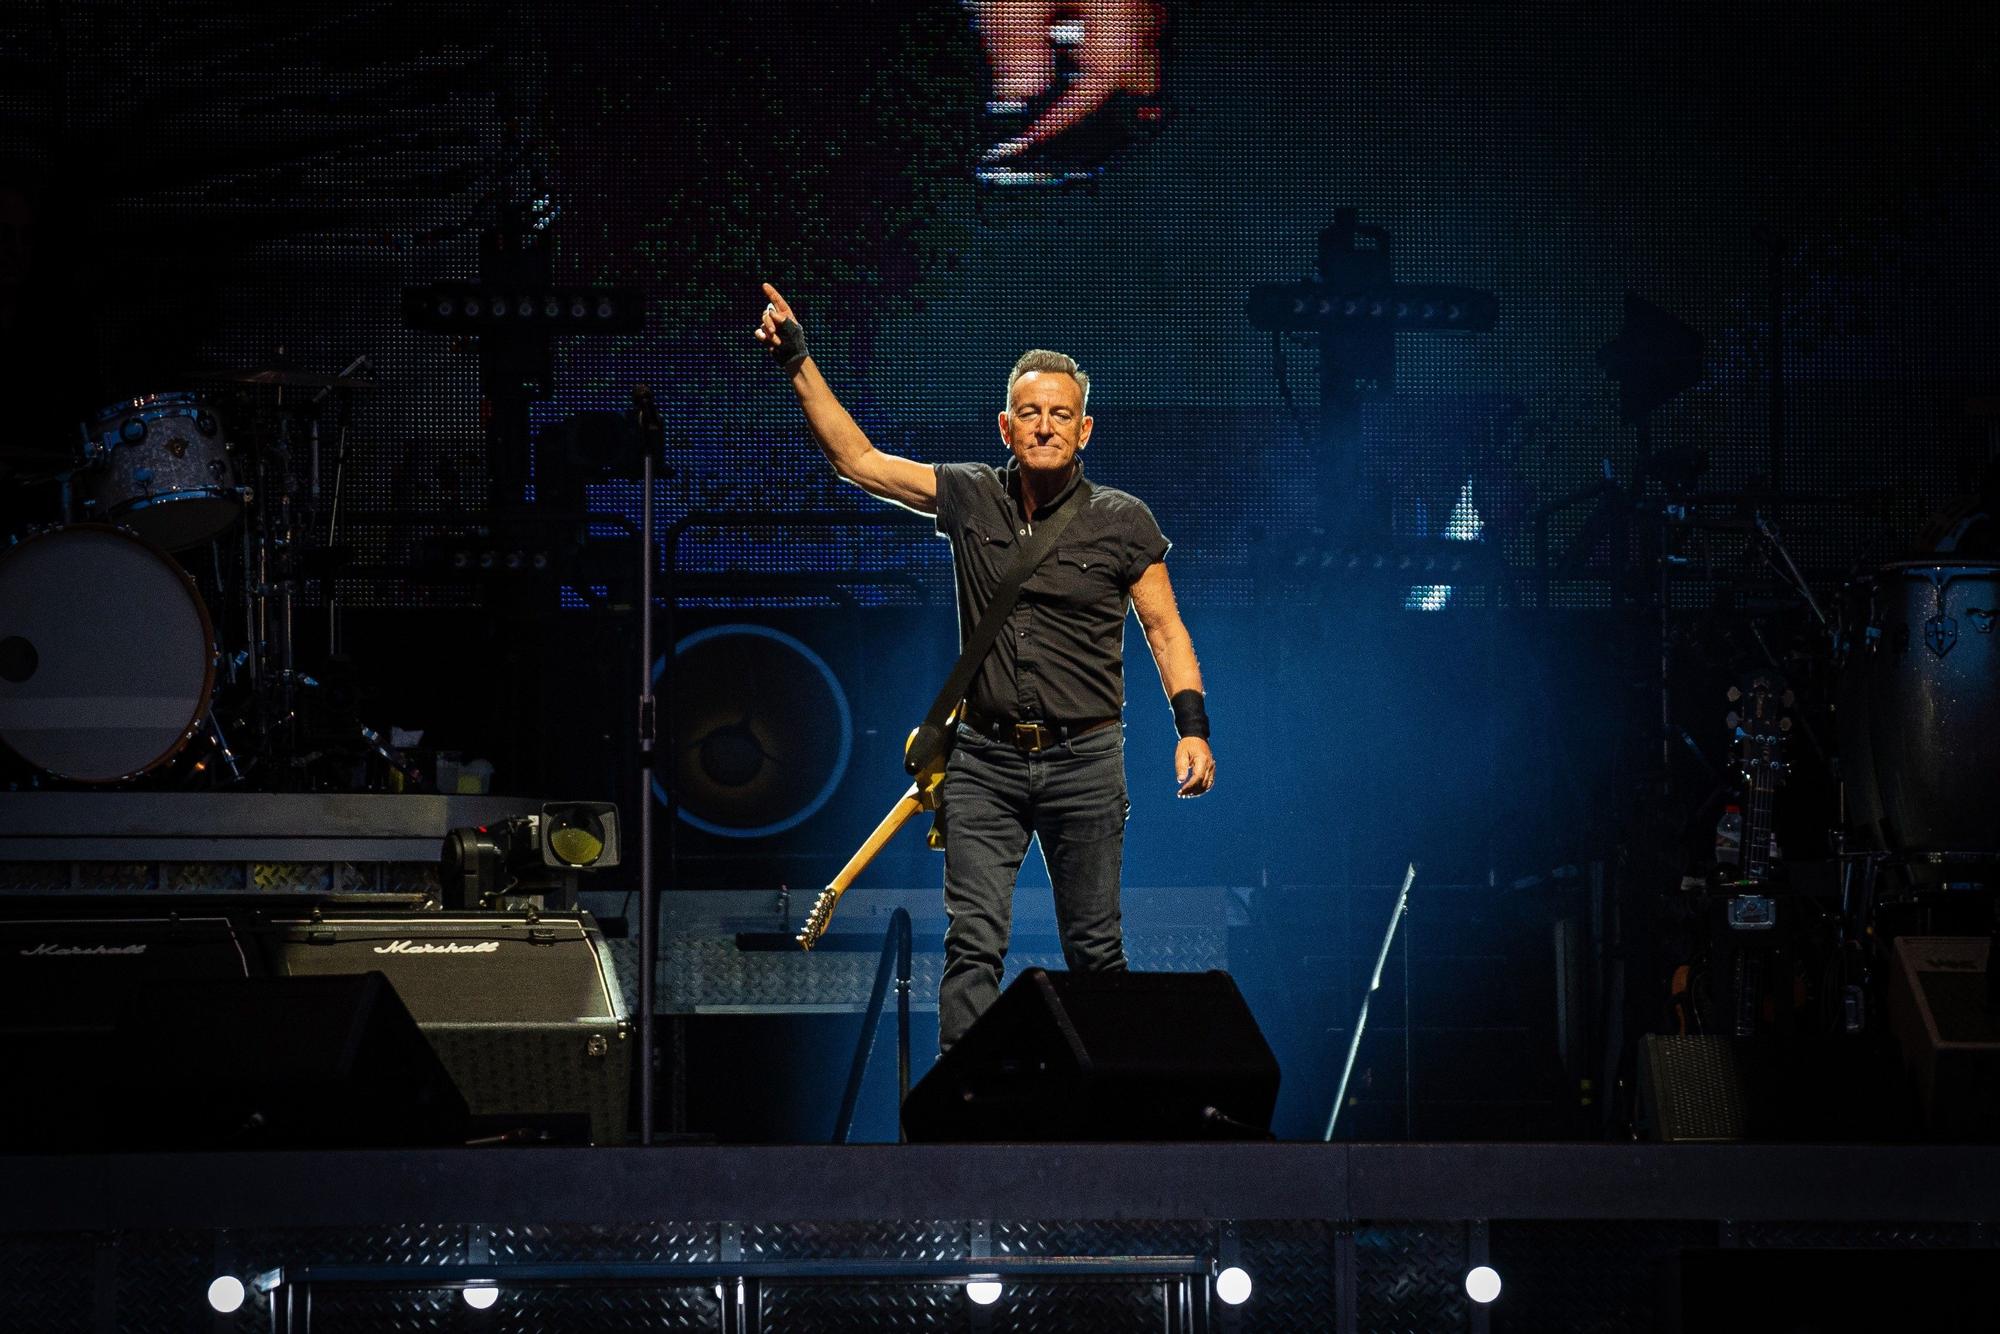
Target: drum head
<point>106,654</point>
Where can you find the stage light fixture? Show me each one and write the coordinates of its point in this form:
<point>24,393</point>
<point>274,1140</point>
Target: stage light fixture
<point>225,1294</point>
<point>480,1296</point>
<point>527,856</point>
<point>1482,1283</point>
<point>469,307</point>
<point>983,1291</point>
<point>1232,1285</point>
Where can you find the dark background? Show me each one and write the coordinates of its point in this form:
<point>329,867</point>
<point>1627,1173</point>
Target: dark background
<point>213,185</point>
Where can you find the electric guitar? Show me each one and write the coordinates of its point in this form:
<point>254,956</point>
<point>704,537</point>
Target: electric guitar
<point>1750,913</point>
<point>1759,724</point>
<point>922,795</point>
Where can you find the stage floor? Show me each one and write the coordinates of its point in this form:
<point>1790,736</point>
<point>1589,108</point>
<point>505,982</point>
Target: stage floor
<point>1340,1236</point>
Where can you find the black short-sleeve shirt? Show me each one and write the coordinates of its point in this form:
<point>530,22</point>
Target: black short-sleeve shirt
<point>1061,656</point>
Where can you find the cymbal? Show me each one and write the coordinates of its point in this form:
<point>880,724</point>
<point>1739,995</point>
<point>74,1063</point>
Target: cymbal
<point>286,379</point>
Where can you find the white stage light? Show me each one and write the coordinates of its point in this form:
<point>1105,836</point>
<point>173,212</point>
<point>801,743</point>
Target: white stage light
<point>983,1291</point>
<point>479,1296</point>
<point>1232,1285</point>
<point>226,1293</point>
<point>1482,1284</point>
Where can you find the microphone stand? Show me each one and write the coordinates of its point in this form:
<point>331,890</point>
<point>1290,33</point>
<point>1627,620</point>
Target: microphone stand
<point>649,928</point>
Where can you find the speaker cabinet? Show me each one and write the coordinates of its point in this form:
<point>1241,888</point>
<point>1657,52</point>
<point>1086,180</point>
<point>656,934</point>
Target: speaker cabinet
<point>1950,1041</point>
<point>1692,1089</point>
<point>1103,1056</point>
<point>525,1012</point>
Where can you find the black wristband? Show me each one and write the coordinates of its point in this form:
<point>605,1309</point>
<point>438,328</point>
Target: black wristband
<point>789,348</point>
<point>1190,713</point>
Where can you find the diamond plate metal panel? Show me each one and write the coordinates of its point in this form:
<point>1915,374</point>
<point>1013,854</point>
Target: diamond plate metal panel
<point>1102,1306</point>
<point>163,1280</point>
<point>1093,1304</point>
<point>383,1311</point>
<point>704,970</point>
<point>1409,1278</point>
<point>930,1240</point>
<point>1291,1268</point>
<point>651,1243</point>
<point>1764,1235</point>
<point>590,1310</point>
<point>1595,1277</point>
<point>45,1277</point>
<point>119,877</point>
<point>415,1244</point>
<point>206,877</point>
<point>1103,1239</point>
<point>862,1308</point>
<point>34,877</point>
<point>292,877</point>
<point>1184,949</point>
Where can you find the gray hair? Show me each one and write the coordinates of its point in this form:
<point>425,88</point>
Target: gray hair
<point>1040,359</point>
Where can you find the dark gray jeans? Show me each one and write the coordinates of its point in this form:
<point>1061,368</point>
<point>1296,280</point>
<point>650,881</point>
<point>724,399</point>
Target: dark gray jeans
<point>1072,798</point>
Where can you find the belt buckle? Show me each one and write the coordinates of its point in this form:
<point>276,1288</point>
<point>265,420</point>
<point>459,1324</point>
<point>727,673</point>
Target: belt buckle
<point>1031,737</point>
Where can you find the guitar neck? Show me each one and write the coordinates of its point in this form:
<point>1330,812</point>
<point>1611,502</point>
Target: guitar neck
<point>1756,851</point>
<point>899,814</point>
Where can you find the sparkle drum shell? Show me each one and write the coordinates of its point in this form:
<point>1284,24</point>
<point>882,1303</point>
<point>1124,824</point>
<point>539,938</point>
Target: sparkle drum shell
<point>107,656</point>
<point>160,465</point>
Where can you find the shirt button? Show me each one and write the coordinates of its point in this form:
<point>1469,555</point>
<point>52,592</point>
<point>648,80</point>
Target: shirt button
<point>1024,532</point>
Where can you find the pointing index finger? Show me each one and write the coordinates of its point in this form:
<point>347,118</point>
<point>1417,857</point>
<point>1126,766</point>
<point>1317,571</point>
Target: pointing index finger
<point>783,310</point>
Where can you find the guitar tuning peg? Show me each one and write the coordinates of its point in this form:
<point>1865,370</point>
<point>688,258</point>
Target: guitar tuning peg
<point>1732,719</point>
<point>1784,724</point>
<point>1735,693</point>
<point>1787,699</point>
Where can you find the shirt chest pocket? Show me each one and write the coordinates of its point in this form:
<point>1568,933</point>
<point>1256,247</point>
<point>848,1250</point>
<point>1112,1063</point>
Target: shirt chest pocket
<point>1084,574</point>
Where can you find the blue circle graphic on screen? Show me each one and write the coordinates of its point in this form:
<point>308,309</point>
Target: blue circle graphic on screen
<point>757,732</point>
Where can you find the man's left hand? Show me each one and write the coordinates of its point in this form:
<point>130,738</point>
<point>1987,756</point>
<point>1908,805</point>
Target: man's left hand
<point>1194,765</point>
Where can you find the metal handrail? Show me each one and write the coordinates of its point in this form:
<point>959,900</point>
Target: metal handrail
<point>896,951</point>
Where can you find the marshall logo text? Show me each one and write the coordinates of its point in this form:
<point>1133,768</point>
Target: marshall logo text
<point>431,947</point>
<point>49,948</point>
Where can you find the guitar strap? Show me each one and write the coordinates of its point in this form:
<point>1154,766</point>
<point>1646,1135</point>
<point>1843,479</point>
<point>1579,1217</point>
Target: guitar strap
<point>931,739</point>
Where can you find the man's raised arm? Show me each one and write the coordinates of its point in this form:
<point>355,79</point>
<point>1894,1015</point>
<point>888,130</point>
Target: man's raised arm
<point>903,481</point>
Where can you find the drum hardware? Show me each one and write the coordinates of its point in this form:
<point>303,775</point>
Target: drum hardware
<point>283,378</point>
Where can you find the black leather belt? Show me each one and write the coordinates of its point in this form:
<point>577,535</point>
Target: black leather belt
<point>1034,736</point>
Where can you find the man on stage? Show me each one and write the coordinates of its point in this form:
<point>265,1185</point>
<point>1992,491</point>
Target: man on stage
<point>1040,749</point>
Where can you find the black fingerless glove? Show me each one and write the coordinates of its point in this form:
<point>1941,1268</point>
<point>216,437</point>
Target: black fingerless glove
<point>1190,713</point>
<point>790,347</point>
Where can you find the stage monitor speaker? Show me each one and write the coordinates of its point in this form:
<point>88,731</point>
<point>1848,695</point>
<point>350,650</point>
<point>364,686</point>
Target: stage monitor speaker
<point>523,1009</point>
<point>1103,1056</point>
<point>1950,1041</point>
<point>264,1062</point>
<point>1691,1089</point>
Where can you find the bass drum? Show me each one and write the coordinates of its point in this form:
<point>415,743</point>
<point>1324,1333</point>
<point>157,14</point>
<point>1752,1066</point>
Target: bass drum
<point>107,656</point>
<point>1920,707</point>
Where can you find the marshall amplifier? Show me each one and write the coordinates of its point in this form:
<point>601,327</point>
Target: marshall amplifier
<point>524,1011</point>
<point>64,980</point>
<point>68,974</point>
